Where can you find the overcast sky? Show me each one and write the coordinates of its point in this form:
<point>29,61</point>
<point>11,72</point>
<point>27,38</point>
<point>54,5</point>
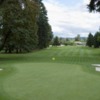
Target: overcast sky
<point>71,17</point>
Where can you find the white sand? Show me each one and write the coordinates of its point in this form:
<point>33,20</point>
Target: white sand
<point>97,67</point>
<point>1,69</point>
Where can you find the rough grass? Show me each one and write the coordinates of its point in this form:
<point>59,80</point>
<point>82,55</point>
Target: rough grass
<point>35,76</point>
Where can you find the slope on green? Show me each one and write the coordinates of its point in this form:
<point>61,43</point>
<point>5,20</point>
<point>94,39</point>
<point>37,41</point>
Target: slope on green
<point>35,76</point>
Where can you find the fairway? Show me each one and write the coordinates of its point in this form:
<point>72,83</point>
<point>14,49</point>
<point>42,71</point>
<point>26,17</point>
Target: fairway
<point>35,76</point>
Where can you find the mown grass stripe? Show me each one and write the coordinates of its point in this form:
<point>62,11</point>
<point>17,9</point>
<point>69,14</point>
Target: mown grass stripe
<point>35,76</point>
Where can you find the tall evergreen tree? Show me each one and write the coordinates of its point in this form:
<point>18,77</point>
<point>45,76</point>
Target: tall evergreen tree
<point>44,28</point>
<point>96,40</point>
<point>94,5</point>
<point>56,41</point>
<point>90,40</point>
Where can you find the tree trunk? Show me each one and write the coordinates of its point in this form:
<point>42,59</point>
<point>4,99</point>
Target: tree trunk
<point>10,51</point>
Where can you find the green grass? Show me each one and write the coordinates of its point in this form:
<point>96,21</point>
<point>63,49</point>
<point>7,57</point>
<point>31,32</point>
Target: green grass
<point>35,76</point>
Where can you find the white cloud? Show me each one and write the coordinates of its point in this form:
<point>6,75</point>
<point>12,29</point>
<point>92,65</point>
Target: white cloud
<point>70,21</point>
<point>86,1</point>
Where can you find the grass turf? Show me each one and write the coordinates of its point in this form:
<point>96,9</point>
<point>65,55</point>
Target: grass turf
<point>35,76</point>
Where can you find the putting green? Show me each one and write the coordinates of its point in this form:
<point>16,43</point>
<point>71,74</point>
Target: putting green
<point>51,81</point>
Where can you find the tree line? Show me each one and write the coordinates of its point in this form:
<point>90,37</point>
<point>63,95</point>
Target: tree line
<point>24,26</point>
<point>93,41</point>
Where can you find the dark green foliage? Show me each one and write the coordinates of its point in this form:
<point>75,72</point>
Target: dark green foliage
<point>67,39</point>
<point>9,18</point>
<point>96,40</point>
<point>93,40</point>
<point>77,38</point>
<point>19,27</point>
<point>71,43</point>
<point>90,40</point>
<point>24,27</point>
<point>1,1</point>
<point>1,22</point>
<point>44,29</point>
<point>56,41</point>
<point>94,5</point>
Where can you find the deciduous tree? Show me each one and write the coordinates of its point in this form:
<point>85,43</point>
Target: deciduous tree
<point>19,26</point>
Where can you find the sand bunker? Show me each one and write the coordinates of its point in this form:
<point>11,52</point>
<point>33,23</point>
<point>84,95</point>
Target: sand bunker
<point>1,69</point>
<point>97,67</point>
